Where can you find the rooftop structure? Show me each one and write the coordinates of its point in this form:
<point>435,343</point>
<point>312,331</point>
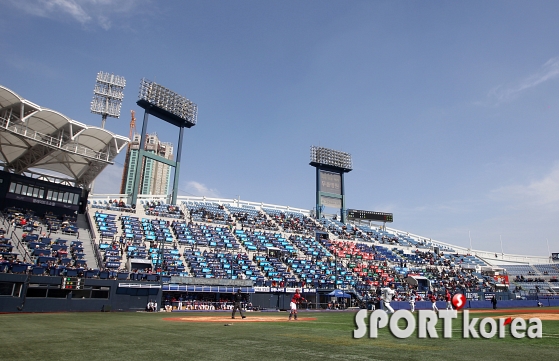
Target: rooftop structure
<point>33,137</point>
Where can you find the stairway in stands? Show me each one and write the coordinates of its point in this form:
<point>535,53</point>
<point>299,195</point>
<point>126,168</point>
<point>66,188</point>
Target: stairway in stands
<point>88,239</point>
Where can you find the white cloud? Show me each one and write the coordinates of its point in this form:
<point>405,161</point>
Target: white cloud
<point>201,190</point>
<point>85,12</point>
<point>503,93</point>
<point>71,7</point>
<point>104,22</point>
<point>543,192</point>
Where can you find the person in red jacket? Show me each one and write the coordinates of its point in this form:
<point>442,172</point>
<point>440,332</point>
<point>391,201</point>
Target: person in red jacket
<point>433,300</point>
<point>448,298</point>
<point>297,298</point>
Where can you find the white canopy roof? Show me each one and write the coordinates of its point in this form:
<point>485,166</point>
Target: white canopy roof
<point>40,138</point>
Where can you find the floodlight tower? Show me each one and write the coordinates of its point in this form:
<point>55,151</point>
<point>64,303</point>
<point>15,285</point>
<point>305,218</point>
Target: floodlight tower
<point>172,108</point>
<point>330,168</point>
<point>107,96</point>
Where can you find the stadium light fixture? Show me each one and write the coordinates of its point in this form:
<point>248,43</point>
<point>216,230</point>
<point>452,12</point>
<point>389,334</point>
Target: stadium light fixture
<point>329,157</point>
<point>107,96</point>
<point>173,109</point>
<point>167,105</point>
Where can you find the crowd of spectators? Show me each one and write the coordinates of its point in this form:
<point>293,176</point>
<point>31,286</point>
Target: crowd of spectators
<point>366,270</point>
<point>521,278</point>
<point>7,257</point>
<point>160,209</point>
<point>253,220</point>
<point>296,223</point>
<point>206,215</point>
<point>118,205</point>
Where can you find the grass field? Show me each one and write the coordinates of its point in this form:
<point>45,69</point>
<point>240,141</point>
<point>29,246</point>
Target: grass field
<point>148,336</point>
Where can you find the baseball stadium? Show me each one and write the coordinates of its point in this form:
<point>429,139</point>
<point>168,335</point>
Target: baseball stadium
<point>142,276</point>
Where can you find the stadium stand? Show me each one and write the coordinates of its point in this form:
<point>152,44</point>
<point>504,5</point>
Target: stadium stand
<point>272,248</point>
<point>199,245</point>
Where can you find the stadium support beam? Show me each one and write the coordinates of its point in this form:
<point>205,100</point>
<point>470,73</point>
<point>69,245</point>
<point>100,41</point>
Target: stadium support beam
<point>175,110</point>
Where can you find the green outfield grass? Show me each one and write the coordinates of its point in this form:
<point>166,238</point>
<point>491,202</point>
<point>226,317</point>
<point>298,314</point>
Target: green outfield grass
<point>147,336</point>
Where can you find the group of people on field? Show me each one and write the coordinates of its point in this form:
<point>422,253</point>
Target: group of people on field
<point>388,294</point>
<point>297,298</point>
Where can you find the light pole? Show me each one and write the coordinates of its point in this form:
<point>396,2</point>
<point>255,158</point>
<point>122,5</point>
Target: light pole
<point>174,109</point>
<point>107,96</point>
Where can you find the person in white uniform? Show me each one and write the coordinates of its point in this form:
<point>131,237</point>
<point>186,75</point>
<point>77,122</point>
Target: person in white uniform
<point>387,296</point>
<point>411,300</point>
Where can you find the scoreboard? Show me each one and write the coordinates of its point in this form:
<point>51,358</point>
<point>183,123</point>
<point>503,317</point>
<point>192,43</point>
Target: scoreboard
<point>370,215</point>
<point>71,283</point>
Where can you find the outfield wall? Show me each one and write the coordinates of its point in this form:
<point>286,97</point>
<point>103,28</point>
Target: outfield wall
<point>26,293</point>
<point>22,293</point>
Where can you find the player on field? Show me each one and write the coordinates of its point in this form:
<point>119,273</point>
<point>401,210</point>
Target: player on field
<point>237,299</point>
<point>411,300</point>
<point>297,298</point>
<point>433,300</point>
<point>448,298</point>
<point>387,296</point>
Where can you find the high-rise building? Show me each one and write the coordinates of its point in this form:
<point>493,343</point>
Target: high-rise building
<point>155,177</point>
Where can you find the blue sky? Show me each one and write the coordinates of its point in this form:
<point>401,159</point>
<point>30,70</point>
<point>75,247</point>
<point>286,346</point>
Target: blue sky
<point>449,109</point>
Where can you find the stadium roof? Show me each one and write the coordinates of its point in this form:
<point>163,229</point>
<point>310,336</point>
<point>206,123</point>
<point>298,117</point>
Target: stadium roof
<point>32,137</point>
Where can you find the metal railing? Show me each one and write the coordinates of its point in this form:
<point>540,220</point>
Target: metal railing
<point>92,238</point>
<point>21,248</point>
<point>52,142</point>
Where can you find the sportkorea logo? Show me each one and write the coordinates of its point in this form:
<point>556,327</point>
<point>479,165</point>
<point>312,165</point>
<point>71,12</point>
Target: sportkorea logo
<point>459,301</point>
<point>428,320</point>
